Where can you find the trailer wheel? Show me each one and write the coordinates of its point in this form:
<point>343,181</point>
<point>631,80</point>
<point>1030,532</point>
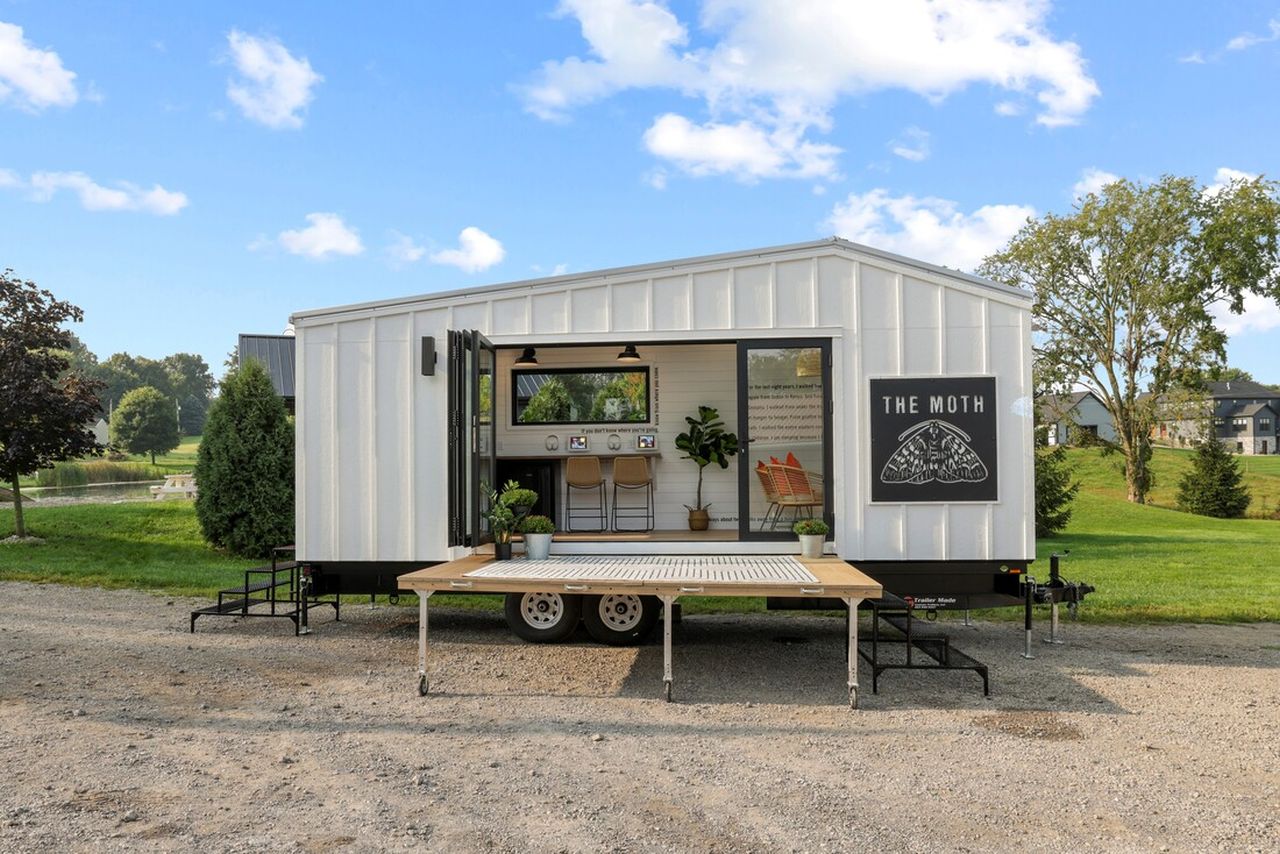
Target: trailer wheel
<point>543,617</point>
<point>620,619</point>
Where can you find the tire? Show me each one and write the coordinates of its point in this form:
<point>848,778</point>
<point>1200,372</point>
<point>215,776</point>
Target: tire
<point>620,619</point>
<point>543,617</point>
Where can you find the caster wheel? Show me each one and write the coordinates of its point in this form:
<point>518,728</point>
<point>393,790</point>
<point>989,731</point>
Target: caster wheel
<point>666,690</point>
<point>422,685</point>
<point>853,698</point>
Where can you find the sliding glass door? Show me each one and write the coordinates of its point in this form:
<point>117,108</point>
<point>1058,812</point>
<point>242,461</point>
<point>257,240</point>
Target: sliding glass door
<point>784,422</point>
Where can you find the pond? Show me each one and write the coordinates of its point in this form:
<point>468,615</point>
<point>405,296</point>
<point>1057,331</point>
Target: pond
<point>92,493</point>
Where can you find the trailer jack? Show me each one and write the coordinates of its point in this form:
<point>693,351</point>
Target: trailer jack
<point>1054,593</point>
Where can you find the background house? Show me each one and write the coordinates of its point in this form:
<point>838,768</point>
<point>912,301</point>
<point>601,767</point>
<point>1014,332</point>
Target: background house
<point>1068,416</point>
<point>1246,417</point>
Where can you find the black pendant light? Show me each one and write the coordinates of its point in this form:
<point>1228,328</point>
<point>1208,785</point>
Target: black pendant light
<point>629,354</point>
<point>527,359</point>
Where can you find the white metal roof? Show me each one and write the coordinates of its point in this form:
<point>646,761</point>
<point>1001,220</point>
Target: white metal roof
<point>832,243</point>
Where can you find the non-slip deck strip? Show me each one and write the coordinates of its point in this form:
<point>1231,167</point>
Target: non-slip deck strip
<point>724,569</point>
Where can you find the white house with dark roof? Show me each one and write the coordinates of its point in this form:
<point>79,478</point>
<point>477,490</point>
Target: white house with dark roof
<point>1068,416</point>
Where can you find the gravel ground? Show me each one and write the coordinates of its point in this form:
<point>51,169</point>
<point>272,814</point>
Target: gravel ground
<point>120,731</point>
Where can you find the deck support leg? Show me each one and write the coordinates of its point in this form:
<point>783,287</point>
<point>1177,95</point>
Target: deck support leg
<point>1053,625</point>
<point>423,596</point>
<point>853,650</point>
<point>668,617</point>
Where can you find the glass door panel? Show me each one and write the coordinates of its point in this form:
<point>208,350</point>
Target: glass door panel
<point>784,413</point>
<point>485,445</point>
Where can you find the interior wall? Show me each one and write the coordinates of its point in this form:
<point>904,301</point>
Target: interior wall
<point>681,378</point>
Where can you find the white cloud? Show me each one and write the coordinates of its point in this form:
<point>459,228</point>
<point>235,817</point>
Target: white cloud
<point>929,229</point>
<point>125,196</point>
<point>744,150</point>
<point>1244,41</point>
<point>476,251</point>
<point>912,144</point>
<point>1261,314</point>
<point>1225,176</point>
<point>1092,180</point>
<point>778,67</point>
<point>403,251</point>
<point>1008,108</point>
<point>274,87</point>
<point>1194,58</point>
<point>326,235</point>
<point>30,77</point>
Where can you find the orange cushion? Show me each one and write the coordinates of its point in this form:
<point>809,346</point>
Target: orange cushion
<point>774,460</point>
<point>792,461</point>
<point>760,464</point>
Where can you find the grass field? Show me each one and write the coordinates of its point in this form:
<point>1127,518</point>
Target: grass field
<point>181,459</point>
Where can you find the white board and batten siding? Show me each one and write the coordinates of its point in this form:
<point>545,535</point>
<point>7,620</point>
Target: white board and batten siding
<point>372,430</point>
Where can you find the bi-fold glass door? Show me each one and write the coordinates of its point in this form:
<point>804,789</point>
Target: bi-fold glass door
<point>473,449</point>
<point>784,421</point>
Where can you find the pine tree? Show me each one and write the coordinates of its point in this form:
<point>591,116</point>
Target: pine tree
<point>1054,488</point>
<point>1215,484</point>
<point>244,467</point>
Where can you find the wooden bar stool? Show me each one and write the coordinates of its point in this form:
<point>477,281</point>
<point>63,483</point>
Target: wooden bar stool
<point>632,472</point>
<point>583,473</point>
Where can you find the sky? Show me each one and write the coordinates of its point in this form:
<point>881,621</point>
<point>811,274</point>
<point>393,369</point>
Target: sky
<point>186,172</point>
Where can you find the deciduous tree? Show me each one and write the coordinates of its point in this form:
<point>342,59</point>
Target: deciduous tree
<point>46,410</point>
<point>145,422</point>
<point>1126,285</point>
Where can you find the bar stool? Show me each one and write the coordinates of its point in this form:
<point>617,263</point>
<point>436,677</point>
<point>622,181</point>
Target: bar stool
<point>583,473</point>
<point>632,472</point>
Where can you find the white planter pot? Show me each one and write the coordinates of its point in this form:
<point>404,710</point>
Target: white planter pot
<point>537,546</point>
<point>811,544</point>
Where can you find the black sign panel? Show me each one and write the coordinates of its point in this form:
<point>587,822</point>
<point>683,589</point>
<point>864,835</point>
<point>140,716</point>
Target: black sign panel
<point>933,439</point>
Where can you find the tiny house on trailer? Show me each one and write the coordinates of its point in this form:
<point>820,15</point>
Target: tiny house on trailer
<point>887,396</point>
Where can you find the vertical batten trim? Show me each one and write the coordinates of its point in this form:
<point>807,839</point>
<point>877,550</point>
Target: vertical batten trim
<point>862,391</point>
<point>334,445</point>
<point>986,369</point>
<point>815,291</point>
<point>371,378</point>
<point>690,321</point>
<point>942,370</point>
<point>733,297</point>
<point>411,427</point>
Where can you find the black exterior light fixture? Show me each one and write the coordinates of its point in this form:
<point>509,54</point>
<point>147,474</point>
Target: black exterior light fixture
<point>629,354</point>
<point>527,359</point>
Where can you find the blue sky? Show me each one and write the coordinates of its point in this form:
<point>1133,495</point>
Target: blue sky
<point>185,172</point>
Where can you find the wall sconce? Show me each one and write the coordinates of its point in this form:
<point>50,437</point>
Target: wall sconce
<point>527,359</point>
<point>629,354</point>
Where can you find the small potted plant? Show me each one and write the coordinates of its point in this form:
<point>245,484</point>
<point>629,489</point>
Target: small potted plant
<point>813,535</point>
<point>705,442</point>
<point>537,532</point>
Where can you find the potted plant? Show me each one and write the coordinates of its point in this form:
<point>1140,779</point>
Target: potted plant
<point>519,499</point>
<point>705,442</point>
<point>813,536</point>
<point>537,532</point>
<point>502,521</point>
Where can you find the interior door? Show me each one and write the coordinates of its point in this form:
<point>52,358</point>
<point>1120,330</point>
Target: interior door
<point>784,424</point>
<point>473,456</point>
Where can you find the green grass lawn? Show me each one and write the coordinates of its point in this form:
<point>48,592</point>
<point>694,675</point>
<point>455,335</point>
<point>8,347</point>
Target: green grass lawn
<point>1104,476</point>
<point>1149,563</point>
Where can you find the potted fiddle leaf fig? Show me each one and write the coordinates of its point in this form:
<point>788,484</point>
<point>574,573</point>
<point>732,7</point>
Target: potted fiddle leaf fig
<point>813,536</point>
<point>705,442</point>
<point>537,531</point>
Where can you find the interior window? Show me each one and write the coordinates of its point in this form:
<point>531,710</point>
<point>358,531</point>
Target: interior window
<point>580,396</point>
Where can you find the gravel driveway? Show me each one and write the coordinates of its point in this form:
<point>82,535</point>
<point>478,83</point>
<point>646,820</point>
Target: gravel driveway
<point>118,730</point>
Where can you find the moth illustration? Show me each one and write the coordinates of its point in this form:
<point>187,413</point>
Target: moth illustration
<point>934,450</point>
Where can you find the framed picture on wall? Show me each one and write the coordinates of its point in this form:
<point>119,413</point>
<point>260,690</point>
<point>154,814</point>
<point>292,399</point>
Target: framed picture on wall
<point>646,442</point>
<point>577,443</point>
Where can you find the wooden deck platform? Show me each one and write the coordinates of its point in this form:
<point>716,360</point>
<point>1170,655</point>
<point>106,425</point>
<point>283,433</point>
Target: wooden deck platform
<point>666,577</point>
